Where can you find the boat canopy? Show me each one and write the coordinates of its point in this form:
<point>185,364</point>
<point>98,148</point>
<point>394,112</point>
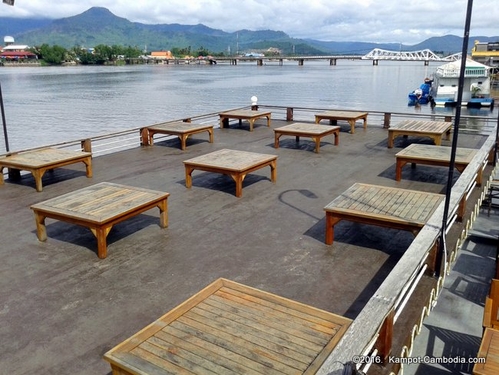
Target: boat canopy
<point>472,69</point>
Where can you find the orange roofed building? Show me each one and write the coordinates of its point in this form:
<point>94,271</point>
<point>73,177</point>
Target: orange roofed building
<point>161,55</point>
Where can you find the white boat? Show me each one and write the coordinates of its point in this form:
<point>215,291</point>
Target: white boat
<point>476,89</point>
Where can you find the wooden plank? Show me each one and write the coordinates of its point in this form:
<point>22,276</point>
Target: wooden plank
<point>231,328</point>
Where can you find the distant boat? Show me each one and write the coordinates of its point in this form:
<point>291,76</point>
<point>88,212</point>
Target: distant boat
<point>422,95</point>
<point>476,89</point>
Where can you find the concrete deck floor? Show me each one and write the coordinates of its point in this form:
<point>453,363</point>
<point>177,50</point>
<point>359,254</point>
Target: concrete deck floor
<point>62,308</point>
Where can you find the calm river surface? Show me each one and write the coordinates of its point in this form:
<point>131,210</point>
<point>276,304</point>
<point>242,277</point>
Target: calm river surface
<point>45,105</point>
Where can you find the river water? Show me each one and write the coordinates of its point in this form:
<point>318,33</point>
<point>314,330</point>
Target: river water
<point>46,105</point>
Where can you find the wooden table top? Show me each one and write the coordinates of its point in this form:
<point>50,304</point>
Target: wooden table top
<point>386,204</point>
<point>100,203</point>
<point>232,328</point>
<point>244,113</point>
<point>231,160</point>
<point>342,114</point>
<point>306,129</point>
<point>489,349</point>
<point>179,127</point>
<point>421,126</point>
<point>440,153</point>
<point>41,158</point>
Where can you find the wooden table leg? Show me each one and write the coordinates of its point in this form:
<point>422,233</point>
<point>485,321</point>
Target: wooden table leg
<point>38,174</point>
<point>273,171</point>
<point>210,133</point>
<point>352,126</point>
<point>365,123</point>
<point>398,169</point>
<point>163,213</point>
<point>1,175</point>
<point>276,139</point>
<point>41,230</point>
<point>337,137</point>
<point>268,121</point>
<point>101,234</point>
<point>331,221</point>
<point>188,177</point>
<point>88,166</point>
<point>317,141</point>
<point>390,139</point>
<point>251,122</point>
<point>438,140</point>
<point>238,179</point>
<point>183,141</point>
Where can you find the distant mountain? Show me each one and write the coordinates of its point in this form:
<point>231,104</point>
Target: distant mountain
<point>98,25</point>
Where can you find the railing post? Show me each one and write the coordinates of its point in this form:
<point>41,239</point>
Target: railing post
<point>289,114</point>
<point>385,338</point>
<point>386,120</point>
<point>144,137</point>
<point>86,145</point>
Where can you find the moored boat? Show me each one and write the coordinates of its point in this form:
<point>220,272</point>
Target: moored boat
<point>476,88</point>
<point>422,95</point>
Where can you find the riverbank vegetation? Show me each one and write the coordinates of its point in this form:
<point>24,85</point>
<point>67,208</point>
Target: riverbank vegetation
<point>102,54</point>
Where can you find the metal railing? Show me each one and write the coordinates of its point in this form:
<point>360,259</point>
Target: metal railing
<point>371,331</point>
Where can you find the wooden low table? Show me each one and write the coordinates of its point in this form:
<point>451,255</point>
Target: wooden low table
<point>230,328</point>
<point>98,208</point>
<point>236,164</point>
<point>489,349</point>
<point>434,155</point>
<point>417,128</point>
<point>243,114</point>
<point>314,131</point>
<point>334,116</point>
<point>382,206</point>
<point>40,161</point>
<point>181,129</point>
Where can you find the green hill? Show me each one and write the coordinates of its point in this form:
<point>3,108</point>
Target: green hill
<point>99,26</point>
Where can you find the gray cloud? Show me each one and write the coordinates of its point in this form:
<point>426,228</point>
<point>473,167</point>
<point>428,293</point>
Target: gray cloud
<point>338,20</point>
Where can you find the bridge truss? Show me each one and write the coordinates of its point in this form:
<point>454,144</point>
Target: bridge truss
<point>422,55</point>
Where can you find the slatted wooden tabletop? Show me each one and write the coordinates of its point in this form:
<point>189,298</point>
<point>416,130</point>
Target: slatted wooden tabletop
<point>99,207</point>
<point>381,205</point>
<point>314,131</point>
<point>180,128</point>
<point>39,161</point>
<point>433,155</point>
<point>234,163</point>
<point>422,128</point>
<point>489,349</point>
<point>244,114</point>
<point>350,116</point>
<point>230,328</point>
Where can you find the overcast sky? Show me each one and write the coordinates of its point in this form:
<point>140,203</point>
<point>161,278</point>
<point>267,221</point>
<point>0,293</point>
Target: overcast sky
<point>407,22</point>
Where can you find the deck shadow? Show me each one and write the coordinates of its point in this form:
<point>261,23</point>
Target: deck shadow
<point>305,144</point>
<point>421,173</point>
<point>221,182</point>
<point>364,235</point>
<point>455,345</point>
<point>50,177</point>
<point>83,237</point>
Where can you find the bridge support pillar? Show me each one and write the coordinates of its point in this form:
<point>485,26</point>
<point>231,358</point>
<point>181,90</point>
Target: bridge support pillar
<point>426,62</point>
<point>259,62</point>
<point>375,62</point>
<point>332,62</point>
<point>233,62</point>
<point>300,62</point>
<point>281,62</point>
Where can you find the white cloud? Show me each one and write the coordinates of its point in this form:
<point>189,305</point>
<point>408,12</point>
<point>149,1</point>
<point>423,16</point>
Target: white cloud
<point>338,20</point>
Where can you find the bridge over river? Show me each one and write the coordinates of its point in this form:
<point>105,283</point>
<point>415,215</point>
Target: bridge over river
<point>375,55</point>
